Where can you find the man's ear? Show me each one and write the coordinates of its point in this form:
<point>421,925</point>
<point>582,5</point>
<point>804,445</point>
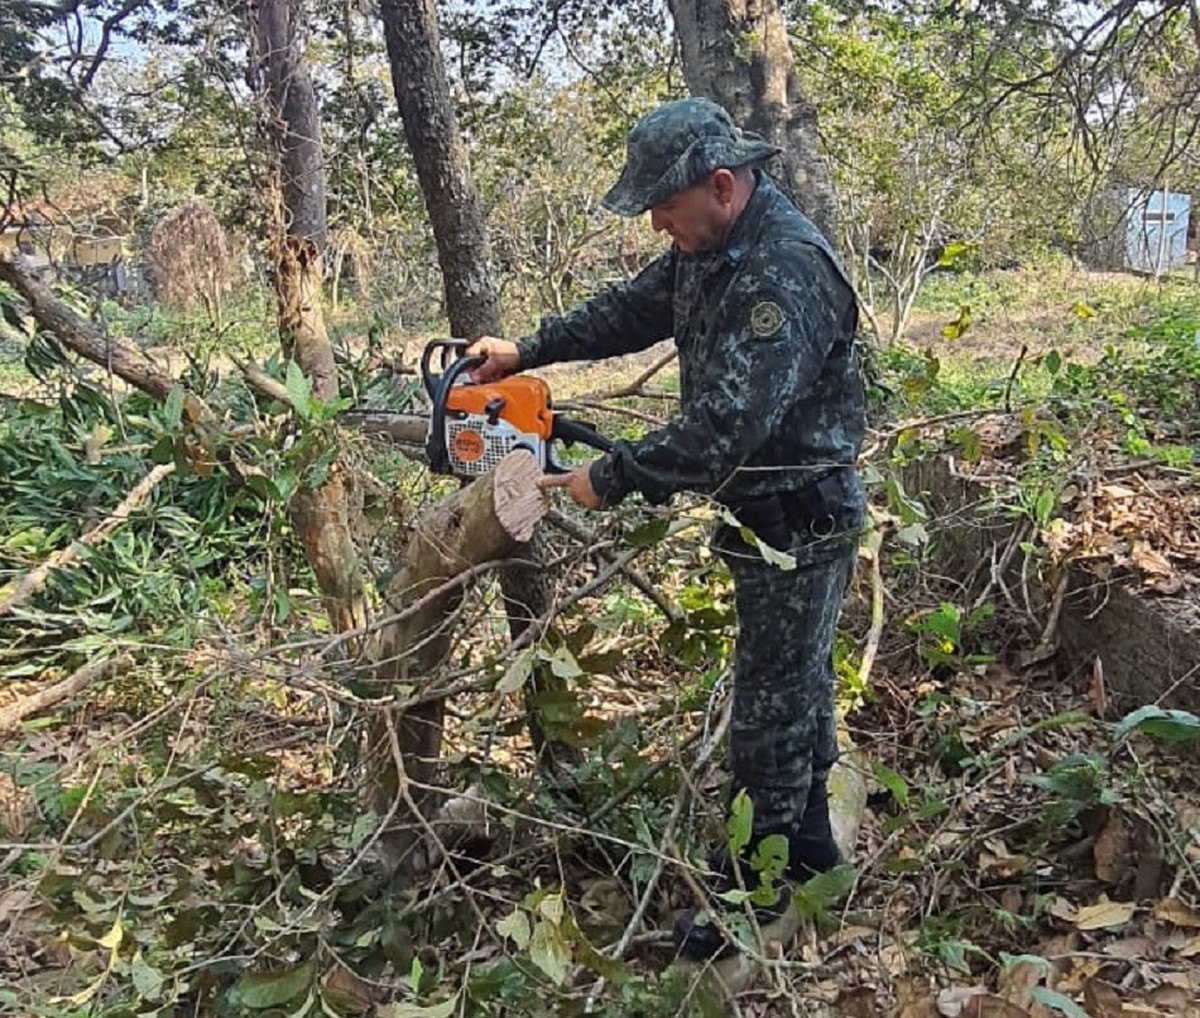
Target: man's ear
<point>723,182</point>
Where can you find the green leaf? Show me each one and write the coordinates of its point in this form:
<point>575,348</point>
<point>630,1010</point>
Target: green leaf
<point>1057,1002</point>
<point>12,316</point>
<point>299,390</point>
<point>173,408</point>
<point>415,971</point>
<point>551,907</point>
<point>1053,362</point>
<point>516,927</point>
<point>817,894</point>
<point>444,1009</point>
<point>740,822</point>
<point>1011,961</point>
<point>893,782</point>
<point>771,857</point>
<point>563,663</point>
<point>1160,722</point>
<point>147,980</point>
<point>260,990</point>
<point>518,671</point>
<point>550,952</point>
<point>648,533</point>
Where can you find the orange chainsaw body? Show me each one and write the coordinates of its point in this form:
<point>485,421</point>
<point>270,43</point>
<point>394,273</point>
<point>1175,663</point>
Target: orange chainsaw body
<point>473,426</point>
<point>485,422</point>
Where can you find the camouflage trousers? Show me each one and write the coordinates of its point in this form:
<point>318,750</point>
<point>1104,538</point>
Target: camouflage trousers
<point>783,731</point>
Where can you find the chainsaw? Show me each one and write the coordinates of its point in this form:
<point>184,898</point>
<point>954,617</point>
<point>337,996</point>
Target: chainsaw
<point>473,426</point>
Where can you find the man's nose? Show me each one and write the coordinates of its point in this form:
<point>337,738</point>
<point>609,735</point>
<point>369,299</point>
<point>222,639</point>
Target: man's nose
<point>657,221</point>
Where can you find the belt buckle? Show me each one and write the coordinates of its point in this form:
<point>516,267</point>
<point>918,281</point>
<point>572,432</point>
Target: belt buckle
<point>823,527</point>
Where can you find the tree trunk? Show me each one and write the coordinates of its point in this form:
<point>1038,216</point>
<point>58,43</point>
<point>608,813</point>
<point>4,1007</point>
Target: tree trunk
<point>423,94</point>
<point>472,301</point>
<point>291,126</point>
<point>737,53</point>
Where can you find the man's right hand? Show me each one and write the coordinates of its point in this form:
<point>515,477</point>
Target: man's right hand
<point>502,358</point>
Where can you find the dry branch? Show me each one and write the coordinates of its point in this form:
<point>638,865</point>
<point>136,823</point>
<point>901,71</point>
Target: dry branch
<point>74,683</point>
<point>20,591</point>
<point>115,354</point>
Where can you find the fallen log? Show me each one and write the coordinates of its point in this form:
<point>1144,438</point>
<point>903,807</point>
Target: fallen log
<point>486,520</point>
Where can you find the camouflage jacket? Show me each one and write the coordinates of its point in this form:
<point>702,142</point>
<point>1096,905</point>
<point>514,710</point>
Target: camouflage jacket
<point>770,392</point>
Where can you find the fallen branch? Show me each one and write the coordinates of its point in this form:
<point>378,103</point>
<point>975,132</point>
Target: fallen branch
<point>74,683</point>
<point>636,577</point>
<point>113,353</point>
<point>20,591</point>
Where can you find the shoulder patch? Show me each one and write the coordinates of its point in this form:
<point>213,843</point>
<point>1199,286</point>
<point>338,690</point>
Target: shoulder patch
<point>766,318</point>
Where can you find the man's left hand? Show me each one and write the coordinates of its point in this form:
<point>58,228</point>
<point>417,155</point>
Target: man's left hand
<point>578,483</point>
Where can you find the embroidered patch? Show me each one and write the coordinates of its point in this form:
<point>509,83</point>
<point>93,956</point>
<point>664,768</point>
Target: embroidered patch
<point>766,318</point>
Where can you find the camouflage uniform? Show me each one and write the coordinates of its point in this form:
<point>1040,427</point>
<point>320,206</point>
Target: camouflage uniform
<point>770,423</point>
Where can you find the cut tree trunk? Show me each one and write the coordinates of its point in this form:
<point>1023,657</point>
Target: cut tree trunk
<point>737,53</point>
<point>483,522</point>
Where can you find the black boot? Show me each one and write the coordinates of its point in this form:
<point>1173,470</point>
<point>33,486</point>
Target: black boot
<point>698,938</point>
<point>811,847</point>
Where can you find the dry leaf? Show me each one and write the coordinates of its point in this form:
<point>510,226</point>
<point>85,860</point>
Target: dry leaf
<point>1176,912</point>
<point>848,934</point>
<point>857,1002</point>
<point>952,1000</point>
<point>1150,561</point>
<point>1172,1000</point>
<point>1113,849</point>
<point>1062,909</point>
<point>1097,694</point>
<point>1101,999</point>
<point>1116,491</point>
<point>913,999</point>
<point>1017,981</point>
<point>1190,949</point>
<point>987,1006</point>
<point>1132,948</point>
<point>1105,915</point>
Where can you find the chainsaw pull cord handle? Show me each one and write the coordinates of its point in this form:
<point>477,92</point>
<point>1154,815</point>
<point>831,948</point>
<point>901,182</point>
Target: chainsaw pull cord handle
<point>439,454</point>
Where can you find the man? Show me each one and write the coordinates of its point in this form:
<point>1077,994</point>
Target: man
<point>770,422</point>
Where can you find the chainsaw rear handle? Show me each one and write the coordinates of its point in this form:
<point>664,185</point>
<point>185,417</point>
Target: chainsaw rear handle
<point>569,432</point>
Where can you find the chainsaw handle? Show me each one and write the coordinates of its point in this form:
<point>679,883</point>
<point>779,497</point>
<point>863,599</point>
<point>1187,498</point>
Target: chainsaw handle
<point>569,432</point>
<point>445,347</point>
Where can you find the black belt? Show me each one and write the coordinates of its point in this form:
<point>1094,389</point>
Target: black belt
<point>815,509</point>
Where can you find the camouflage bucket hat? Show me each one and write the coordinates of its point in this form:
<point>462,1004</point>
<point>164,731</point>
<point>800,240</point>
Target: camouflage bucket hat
<point>676,146</point>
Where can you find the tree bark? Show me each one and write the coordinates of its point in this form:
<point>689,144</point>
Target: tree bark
<point>737,53</point>
<point>423,94</point>
<point>291,126</point>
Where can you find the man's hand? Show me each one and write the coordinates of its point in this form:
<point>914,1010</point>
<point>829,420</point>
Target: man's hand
<point>501,354</point>
<point>578,483</point>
